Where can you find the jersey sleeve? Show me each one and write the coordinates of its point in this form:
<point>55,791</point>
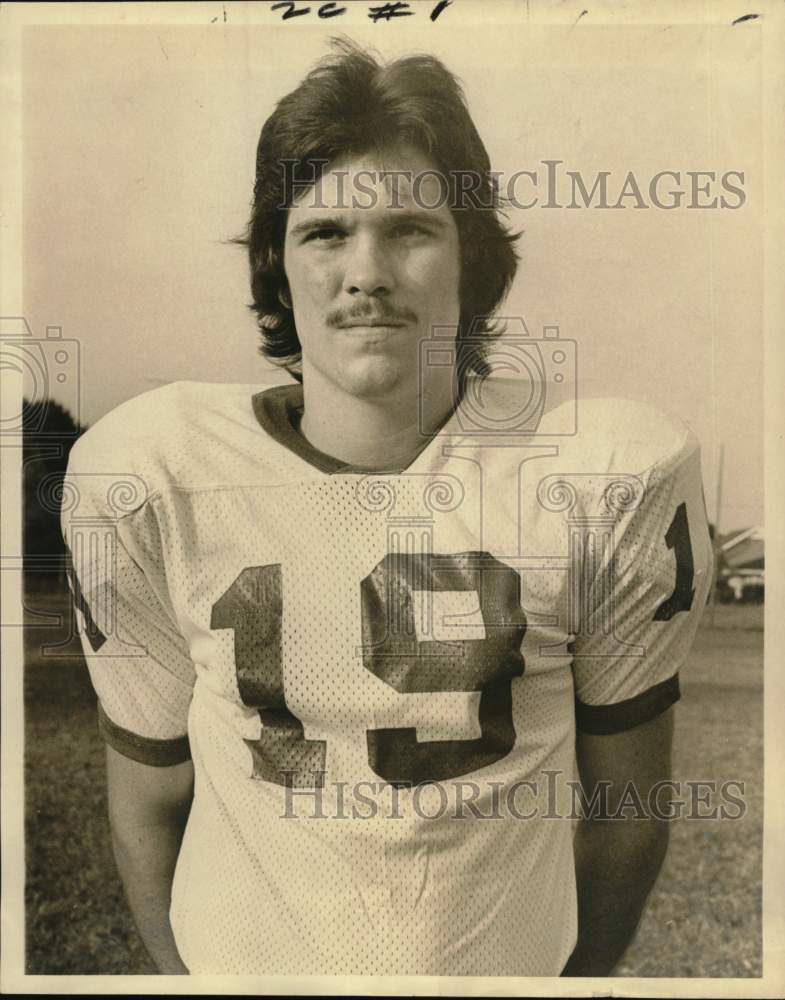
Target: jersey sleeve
<point>138,661</point>
<point>643,603</point>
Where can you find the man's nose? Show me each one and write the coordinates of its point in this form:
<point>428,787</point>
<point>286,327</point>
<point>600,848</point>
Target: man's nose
<point>368,268</point>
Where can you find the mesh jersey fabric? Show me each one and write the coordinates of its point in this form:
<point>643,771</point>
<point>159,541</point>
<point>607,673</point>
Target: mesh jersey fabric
<point>350,658</point>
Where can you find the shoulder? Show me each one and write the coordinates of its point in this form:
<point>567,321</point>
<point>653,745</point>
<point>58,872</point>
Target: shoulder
<point>632,458</point>
<point>133,426</point>
<point>631,435</point>
<point>592,434</point>
<point>184,433</point>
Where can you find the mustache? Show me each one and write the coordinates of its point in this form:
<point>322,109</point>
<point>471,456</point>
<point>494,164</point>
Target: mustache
<point>378,313</point>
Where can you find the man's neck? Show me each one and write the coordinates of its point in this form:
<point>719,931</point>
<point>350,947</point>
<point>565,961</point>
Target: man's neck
<point>373,433</point>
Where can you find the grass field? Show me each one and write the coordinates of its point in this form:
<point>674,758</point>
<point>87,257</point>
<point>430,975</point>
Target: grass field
<point>703,917</point>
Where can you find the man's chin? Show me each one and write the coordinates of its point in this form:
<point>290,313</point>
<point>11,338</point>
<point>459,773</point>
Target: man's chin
<point>372,380</point>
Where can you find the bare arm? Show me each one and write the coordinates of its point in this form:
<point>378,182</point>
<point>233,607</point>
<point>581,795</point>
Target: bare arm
<point>148,810</point>
<point>617,861</point>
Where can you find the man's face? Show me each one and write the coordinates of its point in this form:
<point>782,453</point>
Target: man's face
<point>371,272</point>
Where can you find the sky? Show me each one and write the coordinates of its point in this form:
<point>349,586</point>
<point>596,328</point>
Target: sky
<point>139,145</point>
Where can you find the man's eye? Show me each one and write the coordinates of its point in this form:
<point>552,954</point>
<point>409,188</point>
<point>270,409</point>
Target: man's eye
<point>324,234</point>
<point>404,229</point>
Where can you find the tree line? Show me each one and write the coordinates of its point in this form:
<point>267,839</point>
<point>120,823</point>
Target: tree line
<point>48,434</point>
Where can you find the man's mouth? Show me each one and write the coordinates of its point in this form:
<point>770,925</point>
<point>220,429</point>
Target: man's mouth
<point>371,322</point>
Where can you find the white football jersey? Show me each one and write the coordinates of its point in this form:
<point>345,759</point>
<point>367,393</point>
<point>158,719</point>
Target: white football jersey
<point>379,675</point>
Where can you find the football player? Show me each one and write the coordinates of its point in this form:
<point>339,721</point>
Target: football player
<point>351,633</point>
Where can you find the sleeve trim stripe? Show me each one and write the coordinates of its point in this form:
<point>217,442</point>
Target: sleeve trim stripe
<point>604,720</point>
<point>143,749</point>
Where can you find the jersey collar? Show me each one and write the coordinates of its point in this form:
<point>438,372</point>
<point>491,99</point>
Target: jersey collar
<point>279,411</point>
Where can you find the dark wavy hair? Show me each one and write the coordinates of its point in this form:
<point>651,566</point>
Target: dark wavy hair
<point>351,104</point>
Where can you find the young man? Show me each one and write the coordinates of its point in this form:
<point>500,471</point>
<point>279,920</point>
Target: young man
<point>354,631</point>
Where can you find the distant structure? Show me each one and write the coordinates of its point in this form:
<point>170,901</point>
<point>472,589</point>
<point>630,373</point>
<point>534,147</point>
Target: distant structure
<point>740,569</point>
